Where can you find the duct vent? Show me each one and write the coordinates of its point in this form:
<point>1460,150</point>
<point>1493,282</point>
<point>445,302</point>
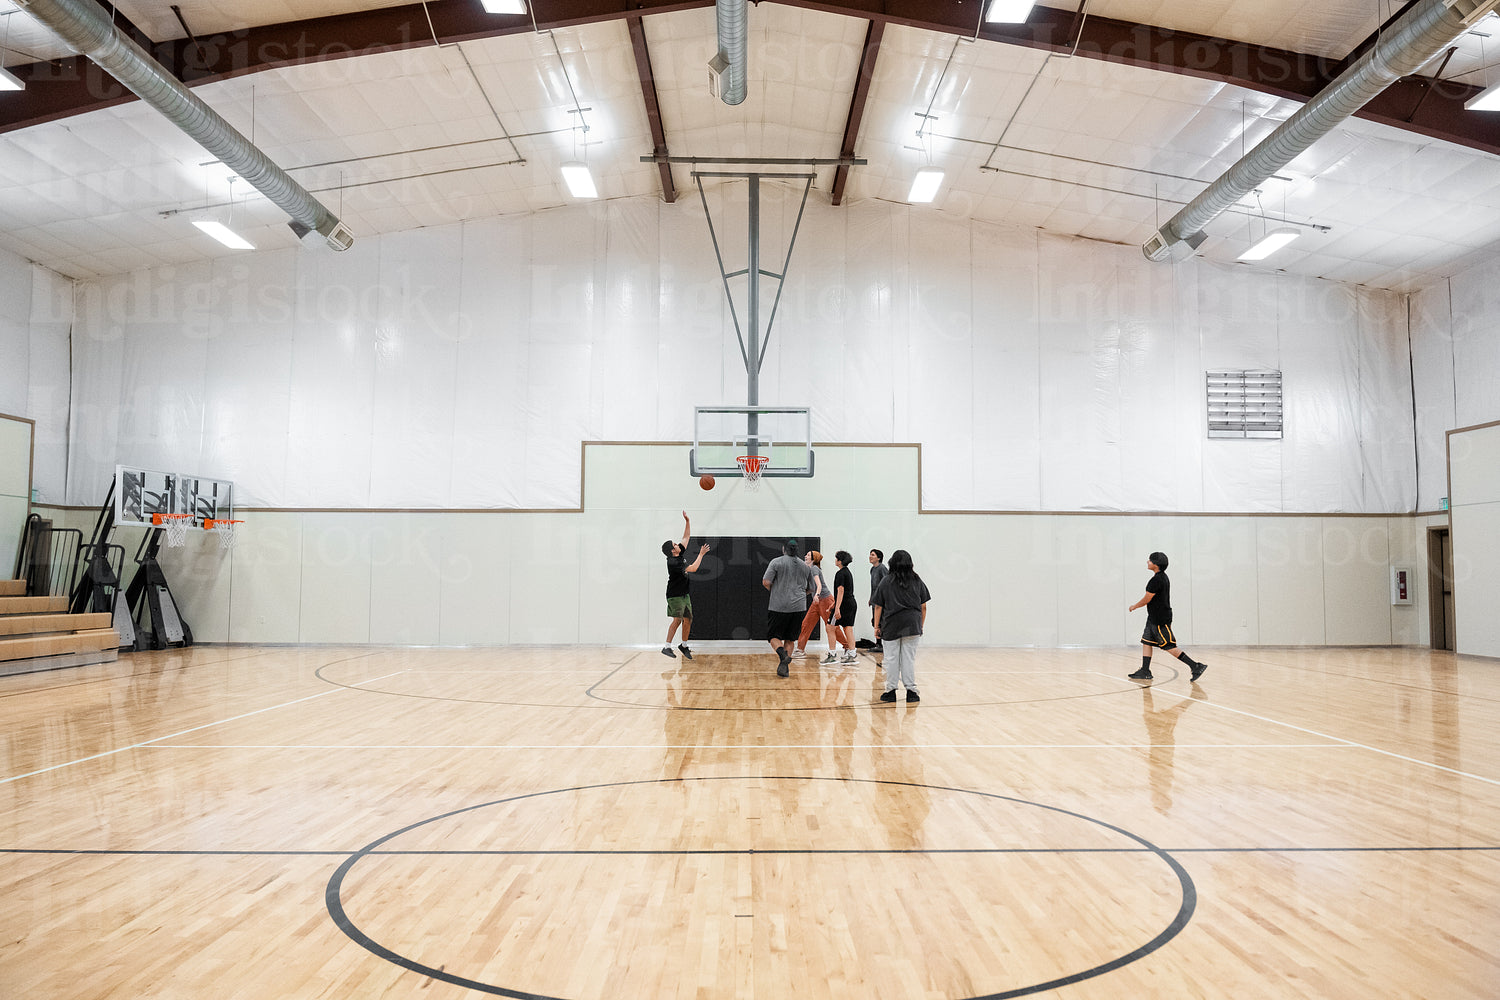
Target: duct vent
<point>1244,403</point>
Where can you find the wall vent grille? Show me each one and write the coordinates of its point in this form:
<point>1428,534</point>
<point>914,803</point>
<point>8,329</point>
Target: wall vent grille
<point>1244,403</point>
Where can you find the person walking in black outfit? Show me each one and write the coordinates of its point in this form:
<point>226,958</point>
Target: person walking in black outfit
<point>1158,634</point>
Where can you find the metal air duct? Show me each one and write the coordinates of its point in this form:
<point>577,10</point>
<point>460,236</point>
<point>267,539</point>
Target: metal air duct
<point>85,26</point>
<point>1424,31</point>
<point>727,69</point>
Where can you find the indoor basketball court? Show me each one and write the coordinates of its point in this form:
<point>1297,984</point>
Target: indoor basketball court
<point>601,822</point>
<point>424,428</point>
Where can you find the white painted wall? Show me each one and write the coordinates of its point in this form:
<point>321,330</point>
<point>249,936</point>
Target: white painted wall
<point>597,576</point>
<point>1474,457</point>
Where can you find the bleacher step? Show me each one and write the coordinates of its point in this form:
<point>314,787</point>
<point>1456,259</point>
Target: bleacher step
<point>10,668</point>
<point>32,605</point>
<point>16,625</point>
<point>27,647</point>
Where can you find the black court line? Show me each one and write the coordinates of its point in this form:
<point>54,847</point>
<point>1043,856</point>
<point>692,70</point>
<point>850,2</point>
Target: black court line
<point>334,901</point>
<point>589,692</point>
<point>725,852</point>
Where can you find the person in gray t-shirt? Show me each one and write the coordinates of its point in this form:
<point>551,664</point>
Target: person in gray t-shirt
<point>787,578</point>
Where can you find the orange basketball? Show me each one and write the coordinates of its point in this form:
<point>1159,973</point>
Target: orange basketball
<point>706,482</point>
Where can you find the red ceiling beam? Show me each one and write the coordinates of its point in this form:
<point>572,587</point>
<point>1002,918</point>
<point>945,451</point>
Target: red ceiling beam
<point>867,59</point>
<point>67,87</point>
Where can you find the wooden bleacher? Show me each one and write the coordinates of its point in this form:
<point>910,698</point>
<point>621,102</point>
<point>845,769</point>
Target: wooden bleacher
<point>37,633</point>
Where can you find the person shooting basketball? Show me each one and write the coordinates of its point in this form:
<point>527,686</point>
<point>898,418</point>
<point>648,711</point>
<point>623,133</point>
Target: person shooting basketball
<point>679,600</point>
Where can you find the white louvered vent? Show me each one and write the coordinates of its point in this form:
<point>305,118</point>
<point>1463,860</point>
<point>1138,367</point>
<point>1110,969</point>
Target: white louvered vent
<point>1244,403</point>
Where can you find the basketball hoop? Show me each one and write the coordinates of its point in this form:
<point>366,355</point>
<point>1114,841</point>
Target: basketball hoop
<point>227,530</point>
<point>176,527</point>
<point>751,466</point>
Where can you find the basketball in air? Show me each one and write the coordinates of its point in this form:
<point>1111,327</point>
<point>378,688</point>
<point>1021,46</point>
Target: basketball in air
<point>706,482</point>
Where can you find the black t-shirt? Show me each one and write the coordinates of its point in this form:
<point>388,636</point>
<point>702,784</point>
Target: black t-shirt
<point>844,578</point>
<point>900,606</point>
<point>677,578</point>
<point>1159,608</point>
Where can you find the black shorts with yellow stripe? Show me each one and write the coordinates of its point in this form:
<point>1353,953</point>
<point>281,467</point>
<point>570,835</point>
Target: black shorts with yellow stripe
<point>1159,636</point>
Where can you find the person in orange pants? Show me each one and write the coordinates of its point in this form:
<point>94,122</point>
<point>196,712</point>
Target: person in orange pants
<point>820,610</point>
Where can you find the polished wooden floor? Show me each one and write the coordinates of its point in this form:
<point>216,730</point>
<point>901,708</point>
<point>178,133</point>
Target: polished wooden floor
<point>590,823</point>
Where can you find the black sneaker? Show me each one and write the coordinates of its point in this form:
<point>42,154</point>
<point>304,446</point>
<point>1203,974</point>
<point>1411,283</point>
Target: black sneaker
<point>667,651</point>
<point>888,696</point>
<point>1198,669</point>
<point>912,696</point>
<point>781,670</point>
<point>687,654</point>
<point>1143,674</point>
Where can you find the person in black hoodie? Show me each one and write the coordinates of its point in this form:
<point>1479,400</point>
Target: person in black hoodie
<point>899,606</point>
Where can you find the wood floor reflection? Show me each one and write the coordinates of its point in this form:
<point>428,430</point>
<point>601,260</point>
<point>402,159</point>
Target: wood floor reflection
<point>592,822</point>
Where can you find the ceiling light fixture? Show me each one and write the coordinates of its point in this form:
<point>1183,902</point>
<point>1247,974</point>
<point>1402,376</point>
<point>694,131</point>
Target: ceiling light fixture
<point>224,234</point>
<point>580,181</point>
<point>8,80</point>
<point>1270,243</point>
<point>503,6</point>
<point>924,187</point>
<point>1486,100</point>
<point>1008,11</point>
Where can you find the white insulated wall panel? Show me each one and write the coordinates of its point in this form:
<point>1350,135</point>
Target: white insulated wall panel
<point>335,574</point>
<point>1474,457</point>
<point>1357,582</point>
<point>1290,576</point>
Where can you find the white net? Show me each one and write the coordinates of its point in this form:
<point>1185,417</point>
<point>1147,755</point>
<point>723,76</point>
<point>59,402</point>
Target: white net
<point>176,527</point>
<point>228,532</point>
<point>752,465</point>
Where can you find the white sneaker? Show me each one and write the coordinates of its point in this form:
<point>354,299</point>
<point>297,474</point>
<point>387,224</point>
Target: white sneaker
<point>829,657</point>
<point>850,656</point>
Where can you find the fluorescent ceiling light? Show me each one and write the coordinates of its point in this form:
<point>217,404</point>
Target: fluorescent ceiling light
<point>1270,243</point>
<point>924,187</point>
<point>1008,11</point>
<point>1486,100</point>
<point>503,6</point>
<point>9,81</point>
<point>224,234</point>
<point>580,181</point>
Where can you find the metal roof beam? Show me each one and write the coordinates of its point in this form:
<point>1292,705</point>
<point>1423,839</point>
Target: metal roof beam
<point>653,108</point>
<point>861,94</point>
<point>68,87</point>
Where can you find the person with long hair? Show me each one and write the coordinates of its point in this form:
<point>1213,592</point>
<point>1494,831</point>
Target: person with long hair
<point>820,607</point>
<point>899,607</point>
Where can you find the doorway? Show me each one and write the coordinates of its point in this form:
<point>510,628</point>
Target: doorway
<point>1440,587</point>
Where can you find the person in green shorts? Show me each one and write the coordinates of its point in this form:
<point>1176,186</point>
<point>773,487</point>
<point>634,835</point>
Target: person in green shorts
<point>679,601</point>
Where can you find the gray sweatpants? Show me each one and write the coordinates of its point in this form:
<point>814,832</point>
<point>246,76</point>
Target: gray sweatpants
<point>900,663</point>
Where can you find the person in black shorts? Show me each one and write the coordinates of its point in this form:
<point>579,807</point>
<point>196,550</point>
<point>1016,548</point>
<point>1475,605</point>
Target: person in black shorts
<point>845,607</point>
<point>1158,634</point>
<point>679,601</point>
<point>787,578</point>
